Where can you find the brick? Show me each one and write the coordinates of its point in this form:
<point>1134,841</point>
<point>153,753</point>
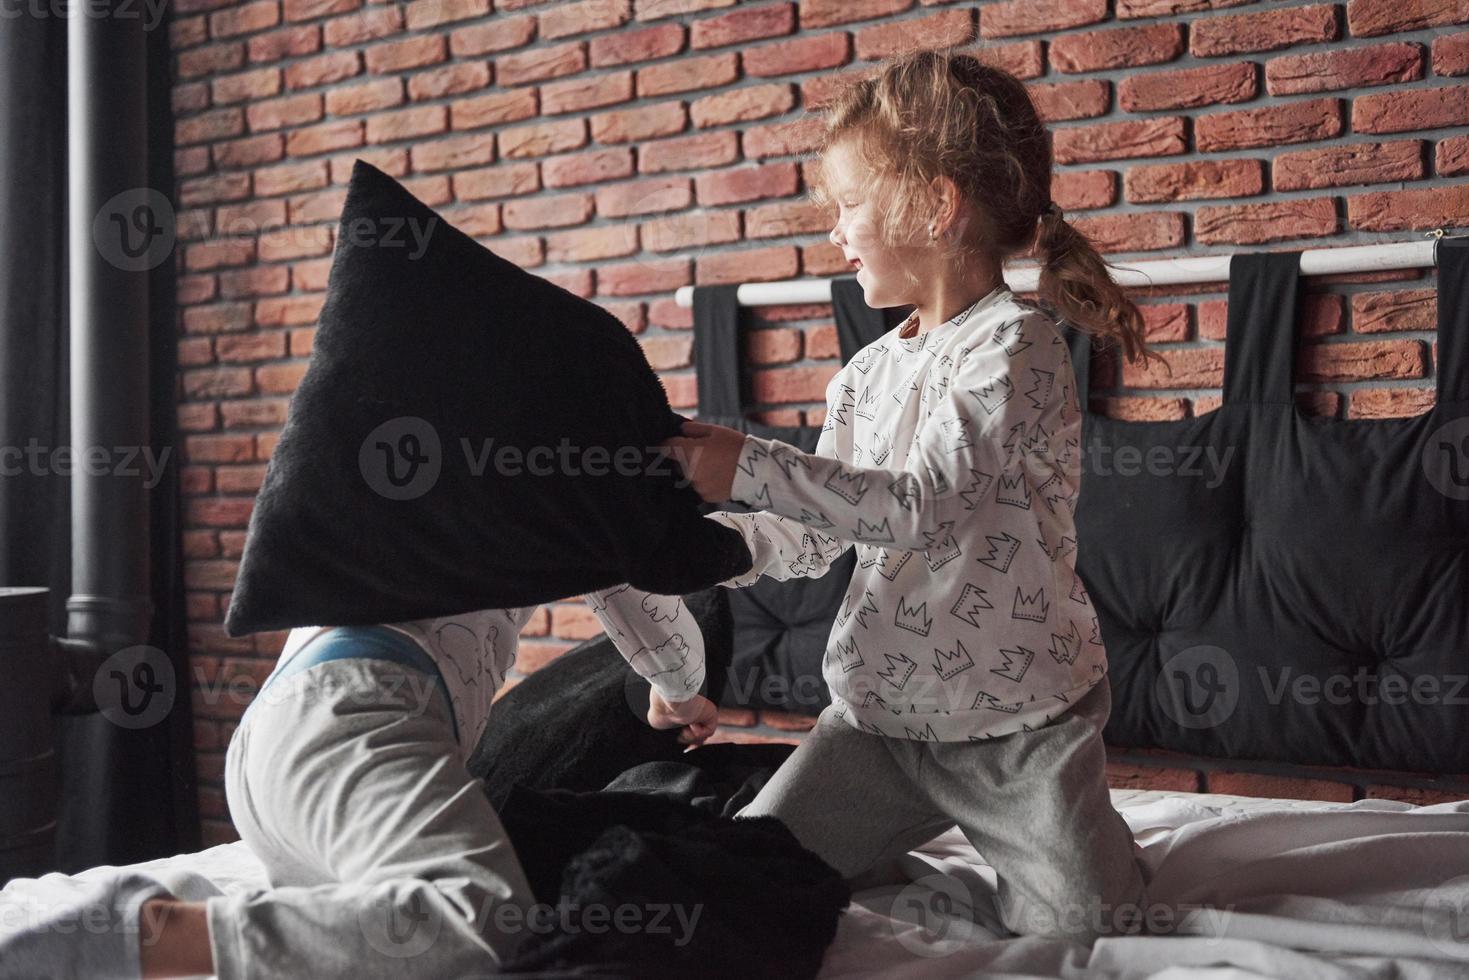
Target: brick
<point>1167,8</point>
<point>1409,109</point>
<point>539,64</point>
<point>587,168</point>
<point>942,30</point>
<point>1133,232</point>
<point>1016,17</point>
<point>1368,18</point>
<point>278,379</point>
<point>1250,224</point>
<point>775,346</point>
<point>1438,207</point>
<point>689,153</point>
<point>1125,47</point>
<point>1451,157</point>
<point>434,13</point>
<point>190,161</point>
<point>780,139</point>
<point>1193,180</point>
<point>197,417</point>
<point>1394,311</point>
<point>350,100</point>
<point>217,382</point>
<point>363,25</point>
<point>211,574</point>
<point>1122,775</point>
<point>786,218</point>
<point>626,47</point>
<point>453,153</point>
<point>1294,122</point>
<point>501,181</point>
<point>392,160</point>
<point>787,385</point>
<point>287,311</point>
<point>262,280</point>
<point>244,19</point>
<point>449,80</point>
<point>741,105</point>
<point>493,109</point>
<point>313,9</point>
<point>748,265</point>
<point>540,139</point>
<point>827,13</point>
<point>1071,100</point>
<point>289,42</point>
<point>1278,787</point>
<point>1163,136</point>
<point>743,25</point>
<point>656,9</point>
<point>750,183</point>
<point>675,232</point>
<point>1325,71</point>
<point>592,244</point>
<point>292,243</point>
<point>1078,190</point>
<point>1216,37</point>
<point>210,60</point>
<point>802,54</point>
<point>249,151</point>
<point>413,52</point>
<point>644,197</point>
<point>635,278</point>
<point>292,177</point>
<point>218,253</point>
<point>584,17</point>
<point>1362,360</point>
<point>185,32</point>
<point>428,120</point>
<point>500,34</point>
<point>246,86</point>
<point>337,135</point>
<point>188,97</point>
<point>668,353</point>
<point>642,123</point>
<point>1451,54</point>
<point>1191,367</point>
<point>1189,88</point>
<point>577,94</point>
<point>1023,59</point>
<point>1389,403</point>
<point>1352,163</point>
<point>688,74</point>
<point>216,124</point>
<point>324,70</point>
<point>251,347</point>
<point>548,212</point>
<point>289,110</point>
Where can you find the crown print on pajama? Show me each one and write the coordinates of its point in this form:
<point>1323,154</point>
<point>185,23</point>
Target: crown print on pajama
<point>951,460</point>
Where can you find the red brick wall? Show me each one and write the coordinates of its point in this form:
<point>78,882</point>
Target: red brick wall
<point>624,148</point>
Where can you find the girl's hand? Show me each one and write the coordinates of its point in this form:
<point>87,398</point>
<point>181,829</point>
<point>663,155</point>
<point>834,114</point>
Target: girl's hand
<point>707,454</point>
<point>698,716</point>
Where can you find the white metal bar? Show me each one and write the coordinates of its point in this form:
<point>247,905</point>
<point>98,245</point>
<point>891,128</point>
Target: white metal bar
<point>1153,272</point>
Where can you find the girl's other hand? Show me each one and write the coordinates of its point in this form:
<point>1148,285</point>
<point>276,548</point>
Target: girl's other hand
<point>707,454</point>
<point>698,716</point>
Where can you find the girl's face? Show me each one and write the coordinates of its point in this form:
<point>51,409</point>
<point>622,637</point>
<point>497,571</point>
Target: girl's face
<point>884,271</point>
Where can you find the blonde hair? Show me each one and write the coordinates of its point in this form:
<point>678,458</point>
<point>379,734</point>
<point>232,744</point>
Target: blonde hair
<point>937,113</point>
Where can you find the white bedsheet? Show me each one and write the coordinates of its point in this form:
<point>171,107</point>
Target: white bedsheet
<point>1257,888</point>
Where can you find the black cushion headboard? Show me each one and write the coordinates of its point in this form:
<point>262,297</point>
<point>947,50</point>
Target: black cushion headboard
<point>1276,586</point>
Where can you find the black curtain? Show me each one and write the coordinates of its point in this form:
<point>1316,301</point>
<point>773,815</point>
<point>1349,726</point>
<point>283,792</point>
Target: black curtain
<point>124,795</point>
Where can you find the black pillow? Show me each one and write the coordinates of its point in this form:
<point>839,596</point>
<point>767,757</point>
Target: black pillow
<point>467,436</point>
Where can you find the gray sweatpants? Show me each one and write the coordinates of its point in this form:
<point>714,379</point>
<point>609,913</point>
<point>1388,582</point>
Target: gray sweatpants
<point>1034,804</point>
<point>384,855</point>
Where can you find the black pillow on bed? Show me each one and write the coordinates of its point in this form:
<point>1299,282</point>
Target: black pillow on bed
<point>467,436</point>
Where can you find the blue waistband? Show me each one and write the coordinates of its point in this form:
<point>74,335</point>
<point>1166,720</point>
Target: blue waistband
<point>374,642</point>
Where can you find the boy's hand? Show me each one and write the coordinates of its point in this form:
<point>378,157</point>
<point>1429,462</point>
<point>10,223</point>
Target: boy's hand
<point>707,454</point>
<point>698,716</point>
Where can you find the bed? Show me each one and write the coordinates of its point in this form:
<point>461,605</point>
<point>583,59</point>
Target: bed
<point>1242,887</point>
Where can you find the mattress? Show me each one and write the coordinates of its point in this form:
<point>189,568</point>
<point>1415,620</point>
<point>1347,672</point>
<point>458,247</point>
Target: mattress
<point>1241,887</point>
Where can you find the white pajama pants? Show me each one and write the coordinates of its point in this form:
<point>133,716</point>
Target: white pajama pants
<point>385,858</point>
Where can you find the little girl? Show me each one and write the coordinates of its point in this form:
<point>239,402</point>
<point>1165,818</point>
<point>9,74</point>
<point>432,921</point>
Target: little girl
<point>966,667</point>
